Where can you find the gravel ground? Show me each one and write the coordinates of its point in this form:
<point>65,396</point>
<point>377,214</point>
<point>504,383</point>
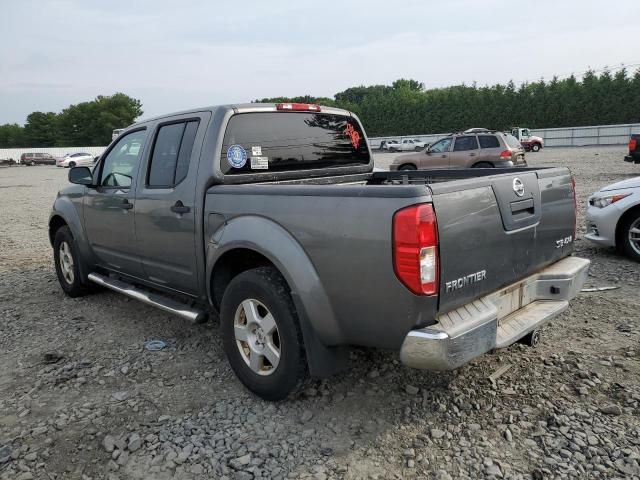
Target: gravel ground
<point>80,397</point>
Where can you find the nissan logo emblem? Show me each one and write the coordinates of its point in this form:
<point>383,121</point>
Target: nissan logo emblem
<point>518,187</point>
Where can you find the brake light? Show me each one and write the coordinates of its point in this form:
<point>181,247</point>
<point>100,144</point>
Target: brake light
<point>633,144</point>
<point>415,249</point>
<point>575,209</point>
<point>298,107</point>
<point>505,155</point>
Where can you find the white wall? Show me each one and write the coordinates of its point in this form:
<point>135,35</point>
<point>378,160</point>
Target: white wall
<point>6,153</point>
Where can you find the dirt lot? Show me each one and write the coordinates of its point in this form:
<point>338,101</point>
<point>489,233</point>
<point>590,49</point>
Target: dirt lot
<point>103,407</point>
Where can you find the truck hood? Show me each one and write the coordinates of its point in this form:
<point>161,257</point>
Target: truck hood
<point>629,183</point>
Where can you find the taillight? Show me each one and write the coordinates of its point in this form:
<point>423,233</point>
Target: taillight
<point>633,144</point>
<point>415,249</point>
<point>575,209</point>
<point>505,155</point>
<point>298,107</point>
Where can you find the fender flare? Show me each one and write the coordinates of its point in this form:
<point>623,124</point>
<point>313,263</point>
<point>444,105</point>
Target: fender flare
<point>269,239</point>
<point>65,210</point>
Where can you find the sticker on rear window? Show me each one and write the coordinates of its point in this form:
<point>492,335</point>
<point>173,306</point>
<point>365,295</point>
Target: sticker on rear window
<point>256,151</point>
<point>260,163</point>
<point>354,135</point>
<point>236,156</point>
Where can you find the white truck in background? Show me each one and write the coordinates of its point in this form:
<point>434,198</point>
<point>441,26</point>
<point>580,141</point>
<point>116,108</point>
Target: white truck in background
<point>528,141</point>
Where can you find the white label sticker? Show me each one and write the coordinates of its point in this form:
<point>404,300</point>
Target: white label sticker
<point>256,151</point>
<point>259,163</point>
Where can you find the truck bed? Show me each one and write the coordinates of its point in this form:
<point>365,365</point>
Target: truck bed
<point>344,225</point>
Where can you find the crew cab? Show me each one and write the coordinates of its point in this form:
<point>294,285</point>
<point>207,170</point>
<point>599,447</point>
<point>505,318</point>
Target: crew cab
<point>634,149</point>
<point>272,216</point>
<point>528,141</point>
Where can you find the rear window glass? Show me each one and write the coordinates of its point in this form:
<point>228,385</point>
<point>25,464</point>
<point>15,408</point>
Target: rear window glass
<point>512,141</point>
<point>465,143</point>
<point>277,141</point>
<point>488,141</point>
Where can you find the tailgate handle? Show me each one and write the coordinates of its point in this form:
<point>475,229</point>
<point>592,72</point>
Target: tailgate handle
<point>521,206</point>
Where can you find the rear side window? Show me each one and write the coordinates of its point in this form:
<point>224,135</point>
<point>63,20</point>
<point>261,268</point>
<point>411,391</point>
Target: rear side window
<point>465,143</point>
<point>279,141</point>
<point>488,141</point>
<point>171,154</point>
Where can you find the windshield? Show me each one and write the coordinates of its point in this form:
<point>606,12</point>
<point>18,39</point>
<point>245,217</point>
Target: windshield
<point>277,141</point>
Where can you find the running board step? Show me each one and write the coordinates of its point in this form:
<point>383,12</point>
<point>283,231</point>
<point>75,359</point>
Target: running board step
<point>153,299</point>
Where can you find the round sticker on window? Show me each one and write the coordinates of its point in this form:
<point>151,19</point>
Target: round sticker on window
<point>236,156</point>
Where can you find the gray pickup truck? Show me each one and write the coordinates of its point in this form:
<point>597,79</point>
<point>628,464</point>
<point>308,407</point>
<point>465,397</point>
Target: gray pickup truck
<point>273,216</point>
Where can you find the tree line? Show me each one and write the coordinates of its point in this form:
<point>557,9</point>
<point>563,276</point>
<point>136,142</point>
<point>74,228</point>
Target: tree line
<point>407,107</point>
<point>84,124</point>
<point>402,108</point>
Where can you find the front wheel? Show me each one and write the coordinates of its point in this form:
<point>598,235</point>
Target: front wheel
<point>68,263</point>
<point>261,334</point>
<point>630,236</point>
<point>33,164</point>
<point>535,147</point>
<point>72,164</point>
<point>408,167</point>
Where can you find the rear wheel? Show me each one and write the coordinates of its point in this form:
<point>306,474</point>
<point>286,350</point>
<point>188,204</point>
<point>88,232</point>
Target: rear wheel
<point>630,236</point>
<point>483,165</point>
<point>68,263</point>
<point>261,334</point>
<point>33,164</point>
<point>408,166</point>
<point>535,147</point>
<point>72,164</point>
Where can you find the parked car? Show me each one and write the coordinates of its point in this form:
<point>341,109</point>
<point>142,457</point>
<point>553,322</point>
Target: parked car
<point>528,141</point>
<point>613,217</point>
<point>37,159</point>
<point>407,145</point>
<point>634,149</point>
<point>386,144</point>
<point>76,160</point>
<point>271,214</point>
<point>462,150</point>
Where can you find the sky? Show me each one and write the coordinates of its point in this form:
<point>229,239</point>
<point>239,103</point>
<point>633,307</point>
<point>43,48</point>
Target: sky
<point>174,55</point>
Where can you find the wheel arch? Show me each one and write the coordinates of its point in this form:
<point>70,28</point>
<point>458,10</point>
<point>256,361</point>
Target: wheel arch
<point>249,242</point>
<point>633,210</point>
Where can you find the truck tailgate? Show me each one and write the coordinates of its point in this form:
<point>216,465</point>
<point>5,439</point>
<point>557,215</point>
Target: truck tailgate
<point>495,230</point>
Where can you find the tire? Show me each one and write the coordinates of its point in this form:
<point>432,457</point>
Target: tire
<point>535,147</point>
<point>407,167</point>
<point>483,165</point>
<point>72,164</point>
<point>68,271</point>
<point>417,149</point>
<point>627,245</point>
<point>33,164</point>
<point>248,302</point>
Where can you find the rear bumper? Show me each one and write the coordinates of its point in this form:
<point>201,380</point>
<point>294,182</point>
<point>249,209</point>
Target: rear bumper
<point>632,158</point>
<point>496,320</point>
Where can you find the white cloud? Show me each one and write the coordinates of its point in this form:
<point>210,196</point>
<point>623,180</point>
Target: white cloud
<point>175,55</point>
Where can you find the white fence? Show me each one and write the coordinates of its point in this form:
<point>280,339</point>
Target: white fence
<point>14,153</point>
<point>553,137</point>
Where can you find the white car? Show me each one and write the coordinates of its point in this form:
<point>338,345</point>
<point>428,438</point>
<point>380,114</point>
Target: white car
<point>613,217</point>
<point>76,160</point>
<point>407,145</point>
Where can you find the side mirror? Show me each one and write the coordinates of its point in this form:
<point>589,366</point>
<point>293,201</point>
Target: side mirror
<point>81,176</point>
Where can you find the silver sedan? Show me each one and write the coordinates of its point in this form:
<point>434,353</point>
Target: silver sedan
<point>613,217</point>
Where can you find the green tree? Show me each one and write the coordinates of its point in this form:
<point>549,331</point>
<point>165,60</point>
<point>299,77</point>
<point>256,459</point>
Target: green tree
<point>41,129</point>
<point>11,135</point>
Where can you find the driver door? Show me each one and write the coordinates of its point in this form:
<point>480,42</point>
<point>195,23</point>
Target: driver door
<point>437,155</point>
<point>109,207</point>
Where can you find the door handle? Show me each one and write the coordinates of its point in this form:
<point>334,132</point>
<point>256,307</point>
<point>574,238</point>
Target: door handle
<point>125,205</point>
<point>179,207</point>
<point>472,154</point>
<point>443,156</point>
